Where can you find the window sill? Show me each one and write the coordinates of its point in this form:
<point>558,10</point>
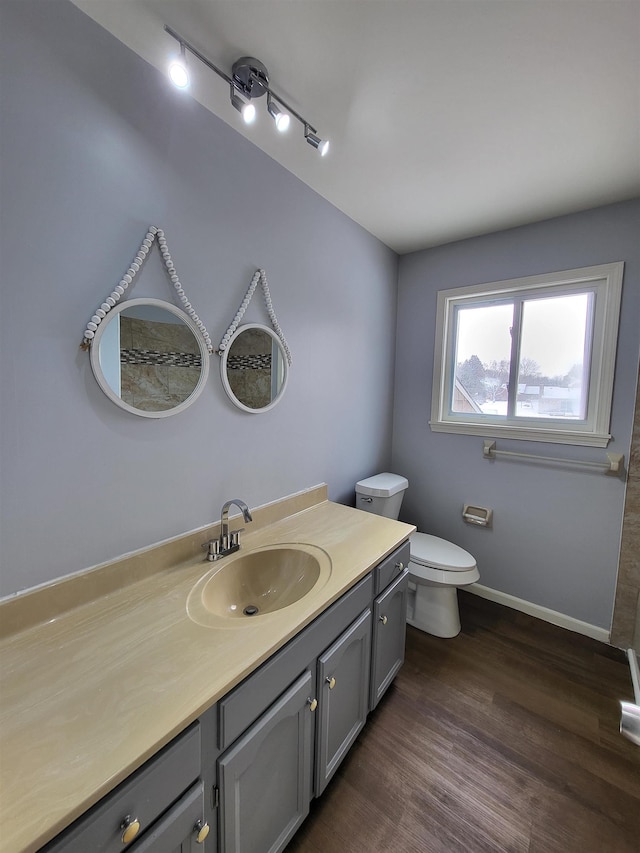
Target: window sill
<point>549,434</point>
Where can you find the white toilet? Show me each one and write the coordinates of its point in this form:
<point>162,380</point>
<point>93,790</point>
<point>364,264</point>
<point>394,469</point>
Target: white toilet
<point>437,567</point>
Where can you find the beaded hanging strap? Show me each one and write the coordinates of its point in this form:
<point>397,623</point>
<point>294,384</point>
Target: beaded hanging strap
<point>258,276</point>
<point>127,279</point>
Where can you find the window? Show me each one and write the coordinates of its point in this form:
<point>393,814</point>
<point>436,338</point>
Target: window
<point>530,358</point>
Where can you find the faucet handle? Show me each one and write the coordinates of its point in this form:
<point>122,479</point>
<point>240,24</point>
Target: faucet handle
<point>234,536</point>
<point>212,547</point>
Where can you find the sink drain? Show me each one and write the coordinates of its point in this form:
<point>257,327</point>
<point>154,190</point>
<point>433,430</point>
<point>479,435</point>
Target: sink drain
<point>250,610</point>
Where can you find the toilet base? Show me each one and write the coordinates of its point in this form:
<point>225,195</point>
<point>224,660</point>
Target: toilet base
<point>433,608</point>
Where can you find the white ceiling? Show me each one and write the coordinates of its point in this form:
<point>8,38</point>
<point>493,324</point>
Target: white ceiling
<point>447,118</point>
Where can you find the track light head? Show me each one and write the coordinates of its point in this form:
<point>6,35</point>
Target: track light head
<point>249,113</point>
<point>322,145</point>
<point>178,71</point>
<point>281,118</point>
<point>245,108</point>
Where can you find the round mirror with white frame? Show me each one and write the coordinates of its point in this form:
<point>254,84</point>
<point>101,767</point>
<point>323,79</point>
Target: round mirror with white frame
<point>254,368</point>
<point>149,358</point>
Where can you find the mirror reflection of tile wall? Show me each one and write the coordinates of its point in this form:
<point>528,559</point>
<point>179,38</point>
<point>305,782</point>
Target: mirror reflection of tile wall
<point>249,368</point>
<point>160,363</point>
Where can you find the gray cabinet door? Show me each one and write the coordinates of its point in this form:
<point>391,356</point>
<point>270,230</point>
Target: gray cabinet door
<point>343,687</point>
<point>389,631</point>
<point>265,778</point>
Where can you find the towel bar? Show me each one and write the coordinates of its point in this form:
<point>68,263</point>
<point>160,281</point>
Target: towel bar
<point>614,465</point>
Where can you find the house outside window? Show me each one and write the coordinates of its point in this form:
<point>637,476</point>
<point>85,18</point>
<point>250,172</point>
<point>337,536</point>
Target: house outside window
<point>530,358</point>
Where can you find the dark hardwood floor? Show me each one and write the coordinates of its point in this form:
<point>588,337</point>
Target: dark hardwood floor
<point>504,738</point>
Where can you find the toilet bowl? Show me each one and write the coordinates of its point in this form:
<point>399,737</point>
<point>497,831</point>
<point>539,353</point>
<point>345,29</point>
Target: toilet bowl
<point>436,568</point>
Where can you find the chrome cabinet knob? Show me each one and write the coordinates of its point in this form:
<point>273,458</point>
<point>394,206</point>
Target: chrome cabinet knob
<point>202,830</point>
<point>331,682</point>
<point>130,827</point>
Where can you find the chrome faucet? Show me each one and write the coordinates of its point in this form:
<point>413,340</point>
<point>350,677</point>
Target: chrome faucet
<point>227,543</point>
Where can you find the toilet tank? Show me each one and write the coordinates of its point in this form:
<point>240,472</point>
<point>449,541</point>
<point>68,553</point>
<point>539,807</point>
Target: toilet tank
<point>381,494</point>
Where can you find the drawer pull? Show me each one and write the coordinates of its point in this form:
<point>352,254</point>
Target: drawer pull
<point>331,682</point>
<point>202,830</point>
<point>383,619</point>
<point>400,566</point>
<point>313,704</point>
<point>130,827</point>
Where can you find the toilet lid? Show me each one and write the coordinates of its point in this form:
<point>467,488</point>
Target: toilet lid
<point>428,550</point>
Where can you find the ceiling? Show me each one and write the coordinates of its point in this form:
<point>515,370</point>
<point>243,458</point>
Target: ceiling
<point>447,118</point>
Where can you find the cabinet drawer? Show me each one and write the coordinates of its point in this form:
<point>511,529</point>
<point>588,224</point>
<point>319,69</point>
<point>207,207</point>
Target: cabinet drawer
<point>177,829</point>
<point>249,699</point>
<point>391,567</point>
<point>147,793</point>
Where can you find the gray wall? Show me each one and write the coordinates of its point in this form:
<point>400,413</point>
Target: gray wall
<point>96,146</point>
<point>556,534</point>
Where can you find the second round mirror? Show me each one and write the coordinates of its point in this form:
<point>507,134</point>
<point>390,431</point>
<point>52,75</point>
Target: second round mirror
<point>254,368</point>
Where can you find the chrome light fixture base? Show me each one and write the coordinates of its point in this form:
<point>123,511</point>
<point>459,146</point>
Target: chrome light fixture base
<point>250,76</point>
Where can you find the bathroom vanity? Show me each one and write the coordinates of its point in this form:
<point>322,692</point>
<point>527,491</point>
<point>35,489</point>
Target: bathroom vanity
<point>257,716</point>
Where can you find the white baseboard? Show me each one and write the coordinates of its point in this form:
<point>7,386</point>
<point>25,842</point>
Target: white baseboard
<point>544,613</point>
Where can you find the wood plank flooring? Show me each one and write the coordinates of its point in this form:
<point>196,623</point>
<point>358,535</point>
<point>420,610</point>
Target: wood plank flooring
<point>504,738</point>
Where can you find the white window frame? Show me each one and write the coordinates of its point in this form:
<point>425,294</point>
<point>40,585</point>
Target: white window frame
<point>605,282</point>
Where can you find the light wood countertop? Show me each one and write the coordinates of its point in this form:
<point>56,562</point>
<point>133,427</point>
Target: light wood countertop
<point>90,694</point>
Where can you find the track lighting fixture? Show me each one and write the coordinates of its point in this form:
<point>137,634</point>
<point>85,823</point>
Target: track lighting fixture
<point>249,80</point>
